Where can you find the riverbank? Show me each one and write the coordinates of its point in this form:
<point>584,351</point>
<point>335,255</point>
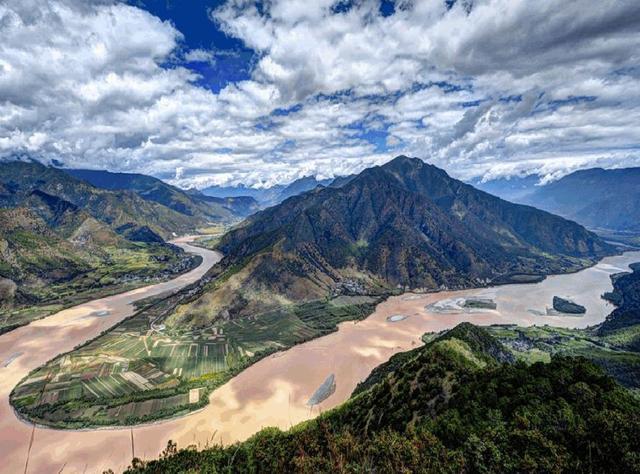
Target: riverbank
<point>11,319</point>
<point>275,391</point>
<point>44,339</point>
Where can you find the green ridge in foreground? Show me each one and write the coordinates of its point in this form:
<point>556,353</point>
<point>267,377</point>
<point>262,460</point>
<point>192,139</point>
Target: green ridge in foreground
<point>449,406</point>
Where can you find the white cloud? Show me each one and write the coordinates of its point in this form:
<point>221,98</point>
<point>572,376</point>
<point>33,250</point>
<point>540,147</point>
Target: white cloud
<point>498,87</point>
<point>199,56</point>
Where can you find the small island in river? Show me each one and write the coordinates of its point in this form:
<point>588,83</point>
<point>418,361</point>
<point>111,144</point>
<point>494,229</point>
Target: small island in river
<point>566,306</point>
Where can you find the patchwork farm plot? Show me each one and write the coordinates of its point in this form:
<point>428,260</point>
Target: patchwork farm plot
<point>141,371</point>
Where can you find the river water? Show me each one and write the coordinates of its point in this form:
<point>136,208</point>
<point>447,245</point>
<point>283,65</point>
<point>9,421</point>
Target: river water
<point>274,391</point>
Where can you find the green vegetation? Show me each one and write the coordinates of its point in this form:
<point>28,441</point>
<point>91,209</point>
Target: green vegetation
<point>535,343</point>
<point>63,241</point>
<point>626,296</point>
<point>42,272</point>
<point>448,407</point>
<point>291,273</point>
<point>614,345</point>
<point>141,370</point>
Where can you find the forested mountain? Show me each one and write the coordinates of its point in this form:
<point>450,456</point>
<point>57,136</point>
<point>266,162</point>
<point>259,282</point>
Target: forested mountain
<point>406,224</point>
<point>456,404</point>
<point>61,240</point>
<point>152,189</point>
<point>18,180</point>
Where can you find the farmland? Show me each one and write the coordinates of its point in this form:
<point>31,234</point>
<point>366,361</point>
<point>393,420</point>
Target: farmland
<point>141,370</point>
<point>124,270</point>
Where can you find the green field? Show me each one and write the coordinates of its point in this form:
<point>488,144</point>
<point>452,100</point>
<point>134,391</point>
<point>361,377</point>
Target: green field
<point>540,343</point>
<point>140,371</point>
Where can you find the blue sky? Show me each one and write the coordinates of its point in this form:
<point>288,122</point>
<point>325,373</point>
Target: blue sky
<point>232,61</point>
<point>202,92</point>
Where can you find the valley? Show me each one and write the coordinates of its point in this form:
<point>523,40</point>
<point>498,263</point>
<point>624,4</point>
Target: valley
<point>275,390</point>
<point>283,236</point>
<point>337,253</point>
<point>288,311</point>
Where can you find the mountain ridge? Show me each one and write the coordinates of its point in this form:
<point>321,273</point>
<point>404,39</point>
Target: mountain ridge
<point>156,190</point>
<point>448,406</point>
<point>403,225</point>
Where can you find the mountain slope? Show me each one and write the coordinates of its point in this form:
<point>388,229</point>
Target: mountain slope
<point>405,224</point>
<point>513,188</point>
<point>449,406</point>
<point>55,252</point>
<point>595,197</point>
<point>240,206</point>
<point>605,200</point>
<point>18,180</point>
<point>156,190</point>
<point>299,186</point>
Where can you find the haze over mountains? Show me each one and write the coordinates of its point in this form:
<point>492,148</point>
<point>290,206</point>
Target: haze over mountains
<point>601,199</point>
<point>404,224</point>
<point>268,196</point>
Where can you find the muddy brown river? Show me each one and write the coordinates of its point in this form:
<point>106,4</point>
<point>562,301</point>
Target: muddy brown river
<point>272,392</point>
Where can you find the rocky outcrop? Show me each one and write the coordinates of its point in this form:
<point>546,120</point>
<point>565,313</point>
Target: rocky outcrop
<point>563,305</point>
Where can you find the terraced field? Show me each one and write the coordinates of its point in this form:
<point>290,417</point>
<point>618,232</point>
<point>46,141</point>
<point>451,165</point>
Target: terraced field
<point>140,370</point>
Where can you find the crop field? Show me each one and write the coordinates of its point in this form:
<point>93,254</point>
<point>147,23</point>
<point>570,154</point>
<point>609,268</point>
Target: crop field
<point>141,371</point>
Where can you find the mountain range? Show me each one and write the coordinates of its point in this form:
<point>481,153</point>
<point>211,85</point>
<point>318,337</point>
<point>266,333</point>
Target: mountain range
<point>268,196</point>
<point>191,203</point>
<point>603,200</point>
<point>403,225</point>
<point>62,239</point>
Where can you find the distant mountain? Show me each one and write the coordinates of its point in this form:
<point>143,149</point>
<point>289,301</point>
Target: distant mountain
<point>514,189</point>
<point>406,224</point>
<point>603,200</point>
<point>156,190</point>
<point>241,206</point>
<point>269,196</point>
<point>299,186</point>
<point>261,195</point>
<point>597,198</point>
<point>19,180</point>
<point>340,181</point>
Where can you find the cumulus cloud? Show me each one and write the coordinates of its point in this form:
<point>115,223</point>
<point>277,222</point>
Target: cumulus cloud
<point>492,87</point>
